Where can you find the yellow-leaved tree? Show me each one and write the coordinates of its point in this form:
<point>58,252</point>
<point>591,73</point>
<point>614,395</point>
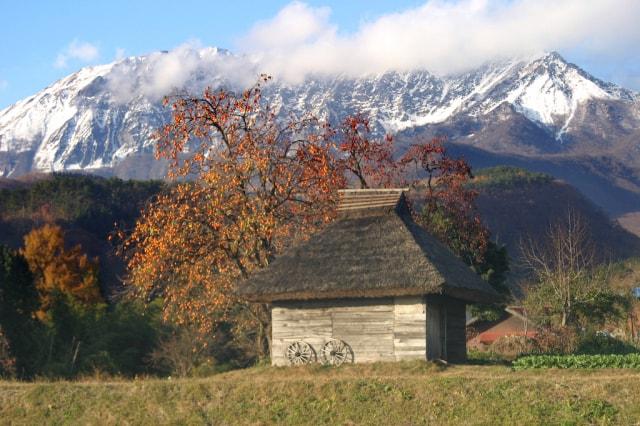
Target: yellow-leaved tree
<point>58,270</point>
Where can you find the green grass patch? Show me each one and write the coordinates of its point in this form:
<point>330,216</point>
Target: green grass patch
<point>381,393</point>
<point>578,361</point>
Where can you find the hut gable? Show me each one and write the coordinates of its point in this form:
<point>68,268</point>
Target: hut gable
<point>373,249</point>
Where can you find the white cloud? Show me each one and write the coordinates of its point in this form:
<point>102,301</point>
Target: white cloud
<point>295,24</point>
<point>188,67</point>
<point>441,36</point>
<point>76,50</point>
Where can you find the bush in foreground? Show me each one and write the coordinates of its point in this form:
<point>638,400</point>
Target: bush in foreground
<point>578,361</point>
<point>602,343</point>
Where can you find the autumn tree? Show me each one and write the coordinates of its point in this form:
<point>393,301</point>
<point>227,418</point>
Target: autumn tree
<point>257,183</point>
<point>447,209</point>
<point>441,183</point>
<point>367,160</point>
<point>448,205</point>
<point>58,270</point>
<point>441,191</point>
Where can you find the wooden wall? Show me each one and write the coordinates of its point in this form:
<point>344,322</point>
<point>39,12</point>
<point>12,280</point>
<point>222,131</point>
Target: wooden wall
<point>380,329</point>
<point>456,331</point>
<point>409,328</point>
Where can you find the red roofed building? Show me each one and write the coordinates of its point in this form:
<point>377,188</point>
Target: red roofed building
<point>514,322</point>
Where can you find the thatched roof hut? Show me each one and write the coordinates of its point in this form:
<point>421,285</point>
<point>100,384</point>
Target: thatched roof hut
<point>373,279</point>
<point>374,249</point>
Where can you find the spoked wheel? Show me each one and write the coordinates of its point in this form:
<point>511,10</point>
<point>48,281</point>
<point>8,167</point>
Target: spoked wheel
<point>336,352</point>
<point>299,353</point>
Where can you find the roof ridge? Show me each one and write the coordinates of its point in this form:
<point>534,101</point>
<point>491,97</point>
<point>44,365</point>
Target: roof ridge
<point>356,190</point>
<point>360,202</point>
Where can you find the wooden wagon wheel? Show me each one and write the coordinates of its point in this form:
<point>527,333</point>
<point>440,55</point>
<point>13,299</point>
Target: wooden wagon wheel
<point>336,352</point>
<point>299,353</point>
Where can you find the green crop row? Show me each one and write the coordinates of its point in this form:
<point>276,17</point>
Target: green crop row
<point>578,361</point>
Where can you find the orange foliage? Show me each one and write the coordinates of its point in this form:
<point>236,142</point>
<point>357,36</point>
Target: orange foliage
<point>450,211</point>
<point>370,161</point>
<point>56,269</point>
<point>257,184</point>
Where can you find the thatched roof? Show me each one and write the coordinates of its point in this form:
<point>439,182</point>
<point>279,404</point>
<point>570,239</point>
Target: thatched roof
<point>373,249</point>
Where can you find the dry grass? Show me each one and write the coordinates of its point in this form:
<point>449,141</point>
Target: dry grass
<point>398,393</point>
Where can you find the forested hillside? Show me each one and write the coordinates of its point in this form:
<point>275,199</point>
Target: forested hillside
<point>88,208</point>
<point>517,204</point>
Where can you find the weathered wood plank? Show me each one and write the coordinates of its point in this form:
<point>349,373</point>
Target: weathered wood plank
<point>435,336</point>
<point>409,328</point>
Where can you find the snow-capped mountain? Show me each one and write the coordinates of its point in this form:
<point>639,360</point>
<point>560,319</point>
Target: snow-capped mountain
<point>101,118</point>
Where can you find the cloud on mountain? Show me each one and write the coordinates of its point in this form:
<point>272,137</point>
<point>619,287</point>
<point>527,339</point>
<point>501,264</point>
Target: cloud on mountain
<point>76,50</point>
<point>187,68</point>
<point>441,36</point>
<point>444,37</point>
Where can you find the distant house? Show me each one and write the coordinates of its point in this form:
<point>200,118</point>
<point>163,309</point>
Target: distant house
<point>514,322</point>
<point>372,286</point>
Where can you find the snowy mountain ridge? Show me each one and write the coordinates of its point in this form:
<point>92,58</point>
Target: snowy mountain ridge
<point>98,117</point>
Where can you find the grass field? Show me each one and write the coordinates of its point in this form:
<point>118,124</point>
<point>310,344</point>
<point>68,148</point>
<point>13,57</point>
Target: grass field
<point>402,393</point>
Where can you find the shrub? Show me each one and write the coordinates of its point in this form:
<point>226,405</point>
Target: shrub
<point>577,361</point>
<point>182,353</point>
<point>511,347</point>
<point>556,340</point>
<point>603,343</point>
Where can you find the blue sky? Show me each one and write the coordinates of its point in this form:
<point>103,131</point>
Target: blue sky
<point>43,41</point>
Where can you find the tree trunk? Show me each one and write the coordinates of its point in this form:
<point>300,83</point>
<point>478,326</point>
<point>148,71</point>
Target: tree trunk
<point>263,334</point>
<point>566,313</point>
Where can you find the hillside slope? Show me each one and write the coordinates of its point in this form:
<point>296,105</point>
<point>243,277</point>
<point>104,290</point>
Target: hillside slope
<point>517,205</point>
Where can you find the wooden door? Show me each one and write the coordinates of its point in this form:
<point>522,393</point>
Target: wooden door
<point>436,331</point>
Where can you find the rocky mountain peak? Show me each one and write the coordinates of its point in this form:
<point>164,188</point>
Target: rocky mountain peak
<point>101,117</point>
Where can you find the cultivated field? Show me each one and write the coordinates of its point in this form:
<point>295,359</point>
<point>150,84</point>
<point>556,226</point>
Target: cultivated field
<point>404,393</point>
